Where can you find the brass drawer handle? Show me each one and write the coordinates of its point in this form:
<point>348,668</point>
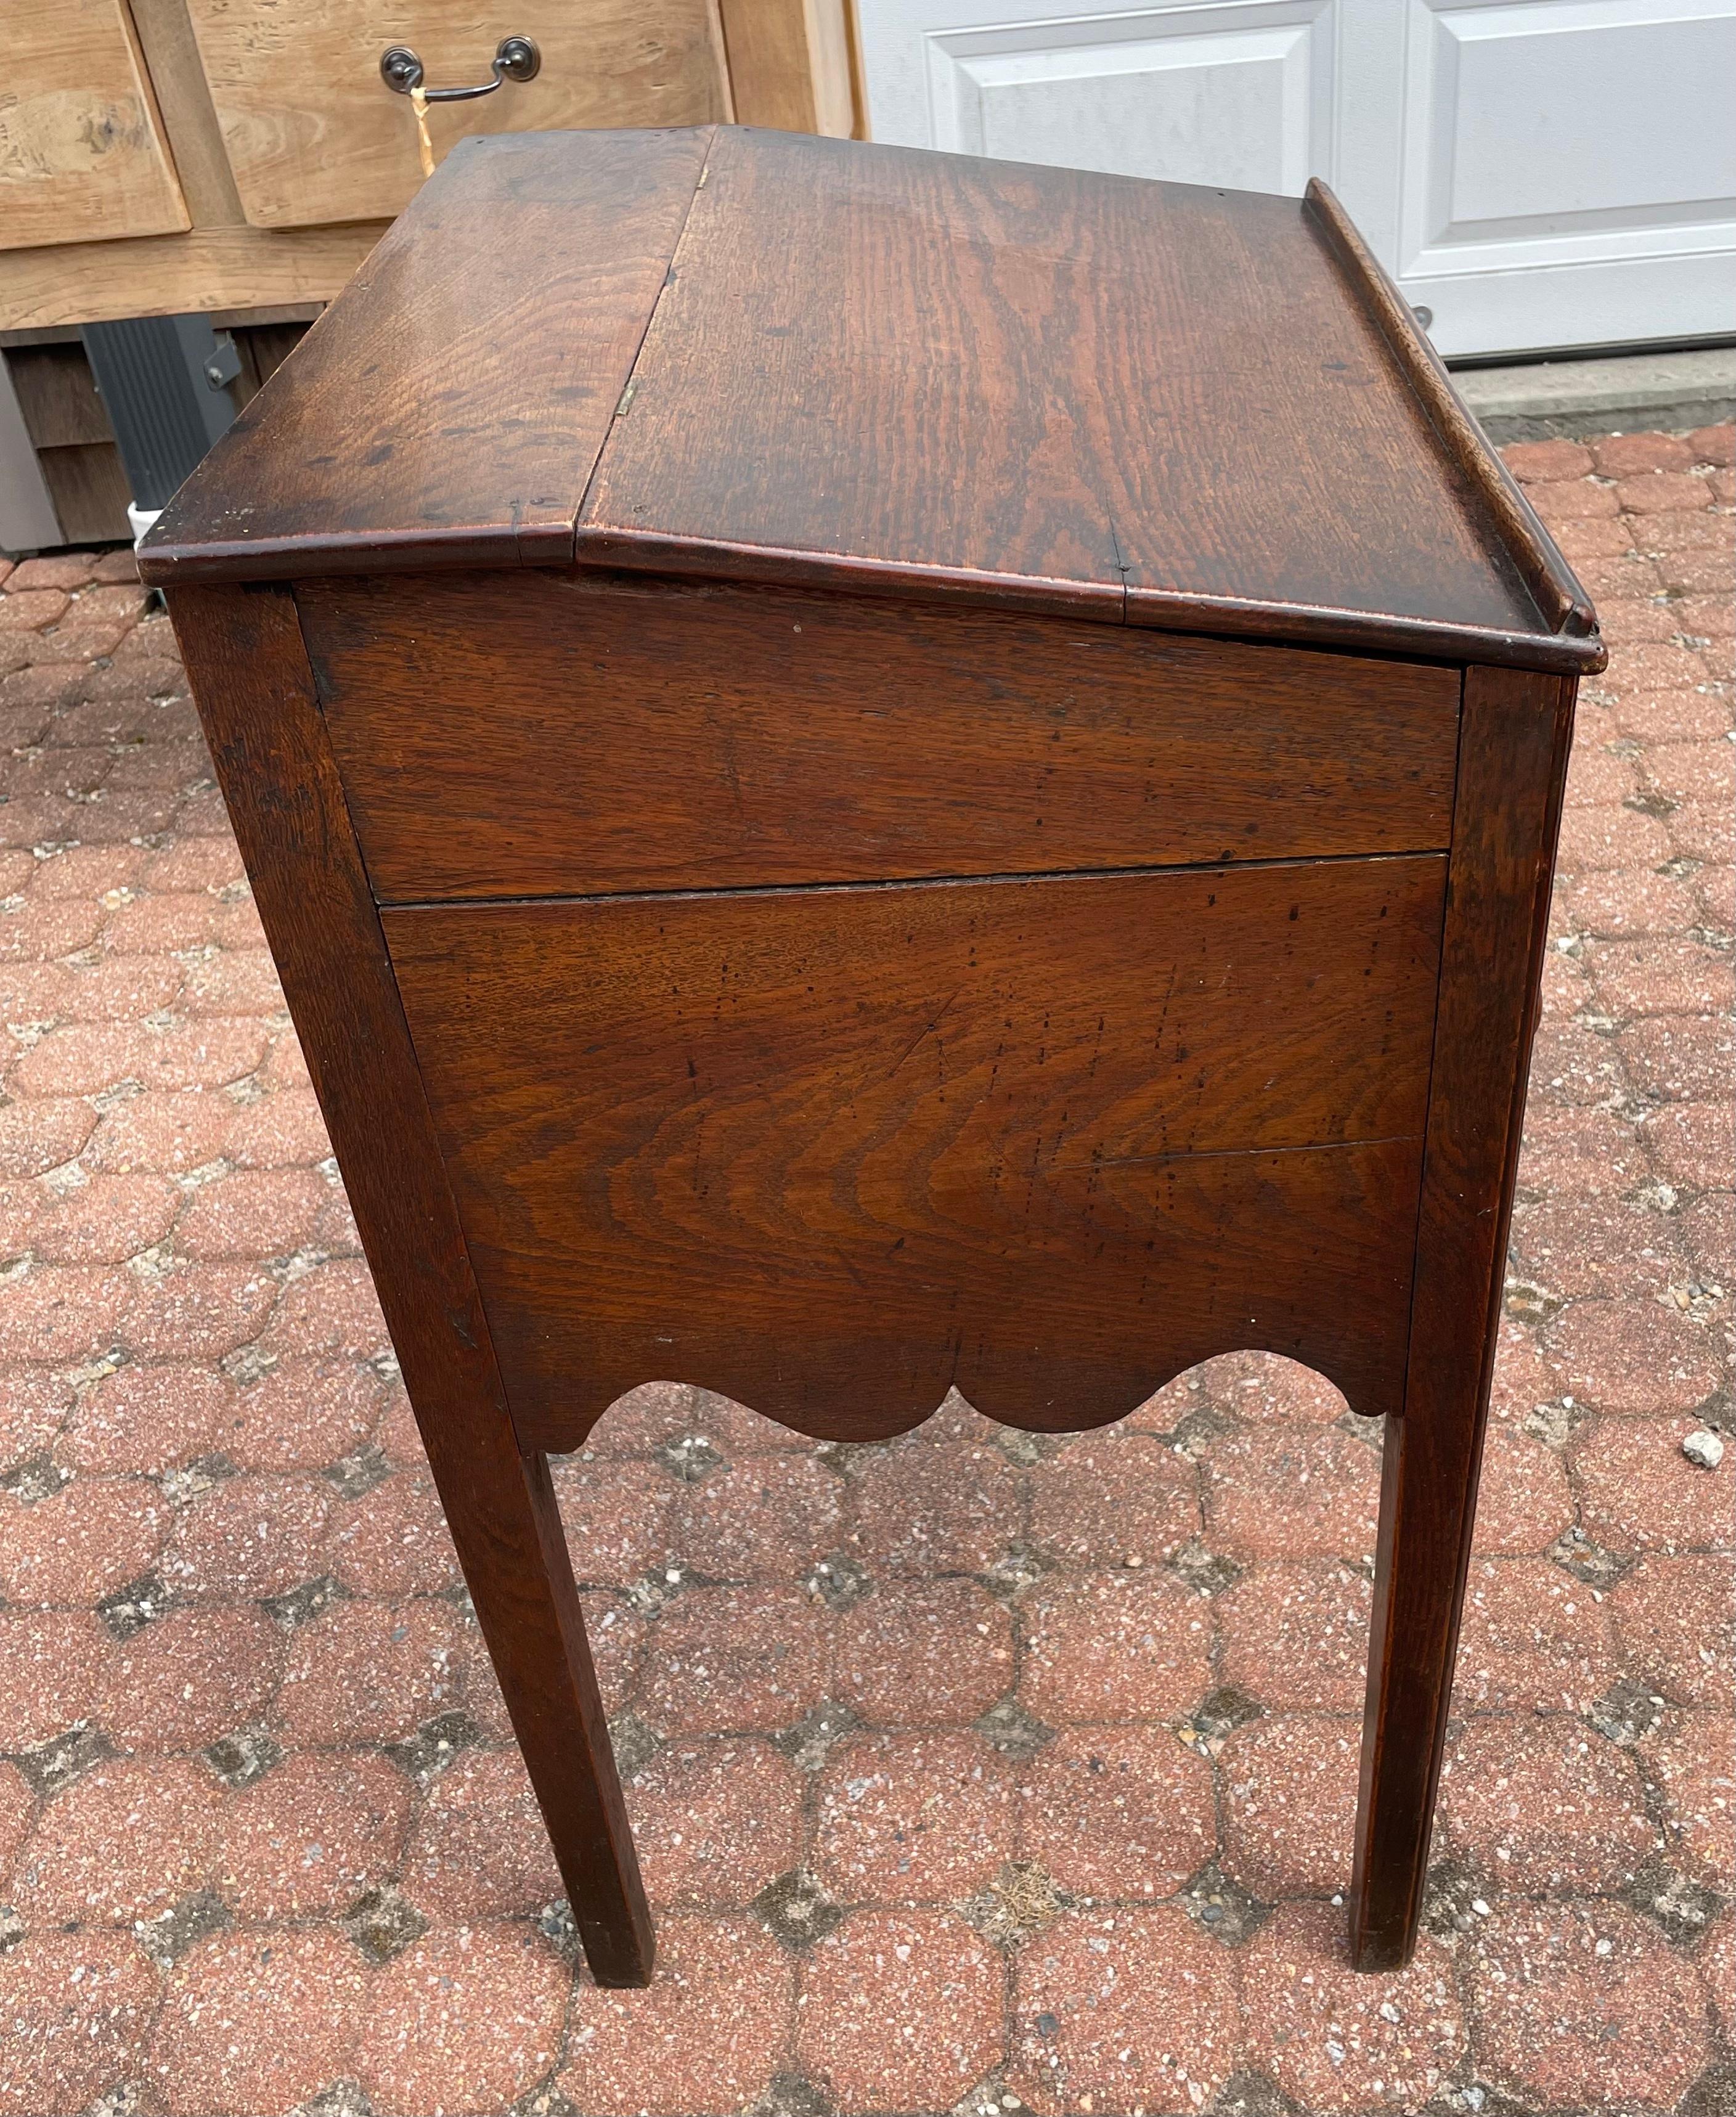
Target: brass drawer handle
<point>517,59</point>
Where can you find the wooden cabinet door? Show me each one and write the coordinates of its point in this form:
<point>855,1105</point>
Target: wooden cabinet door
<point>82,154</point>
<point>313,135</point>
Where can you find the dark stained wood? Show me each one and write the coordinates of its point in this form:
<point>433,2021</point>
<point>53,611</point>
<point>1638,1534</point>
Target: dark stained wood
<point>244,658</point>
<point>721,527</point>
<point>1305,1251</point>
<point>1546,573</point>
<point>89,490</point>
<point>449,407</point>
<point>908,373</point>
<point>1171,407</point>
<point>1513,751</point>
<point>833,1151</point>
<point>57,396</point>
<point>774,736</point>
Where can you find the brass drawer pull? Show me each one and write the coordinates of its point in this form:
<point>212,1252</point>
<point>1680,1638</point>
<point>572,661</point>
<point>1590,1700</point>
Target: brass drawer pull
<point>517,59</point>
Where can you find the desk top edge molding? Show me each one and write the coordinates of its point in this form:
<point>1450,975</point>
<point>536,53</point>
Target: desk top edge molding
<point>484,524</point>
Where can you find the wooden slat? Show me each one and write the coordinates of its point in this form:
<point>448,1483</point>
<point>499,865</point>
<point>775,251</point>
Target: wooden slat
<point>81,147</point>
<point>1513,752</point>
<point>774,736</point>
<point>207,268</point>
<point>1546,573</point>
<point>58,395</point>
<point>250,676</point>
<point>831,1151</point>
<point>789,64</point>
<point>315,135</point>
<point>165,33</point>
<point>450,409</point>
<point>90,491</point>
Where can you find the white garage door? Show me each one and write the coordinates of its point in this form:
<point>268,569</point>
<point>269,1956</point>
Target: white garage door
<point>1552,174</point>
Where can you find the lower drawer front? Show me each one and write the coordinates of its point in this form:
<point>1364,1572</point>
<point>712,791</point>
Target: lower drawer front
<point>536,735</point>
<point>831,1151</point>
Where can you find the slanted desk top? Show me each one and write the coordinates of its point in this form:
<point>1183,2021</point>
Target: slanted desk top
<point>758,355</point>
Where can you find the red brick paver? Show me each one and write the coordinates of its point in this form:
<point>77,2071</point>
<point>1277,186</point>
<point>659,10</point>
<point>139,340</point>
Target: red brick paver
<point>970,1773</point>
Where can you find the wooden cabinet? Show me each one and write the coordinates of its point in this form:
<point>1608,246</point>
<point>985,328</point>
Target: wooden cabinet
<point>313,135</point>
<point>871,772</point>
<point>162,156</point>
<point>82,149</point>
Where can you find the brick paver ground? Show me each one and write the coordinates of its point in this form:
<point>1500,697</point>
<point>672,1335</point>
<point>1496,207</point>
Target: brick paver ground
<point>968,1772</point>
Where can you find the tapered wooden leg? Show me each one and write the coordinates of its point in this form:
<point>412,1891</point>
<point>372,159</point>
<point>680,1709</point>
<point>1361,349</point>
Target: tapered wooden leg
<point>245,655</point>
<point>1514,733</point>
<point>501,1510</point>
<point>1428,1495</point>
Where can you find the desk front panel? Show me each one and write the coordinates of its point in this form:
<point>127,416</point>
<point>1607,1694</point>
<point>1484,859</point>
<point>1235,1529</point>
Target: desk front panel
<point>830,1001</point>
<point>833,1151</point>
<point>540,734</point>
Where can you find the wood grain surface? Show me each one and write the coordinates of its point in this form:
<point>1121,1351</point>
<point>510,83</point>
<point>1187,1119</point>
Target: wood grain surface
<point>245,660</point>
<point>936,365</point>
<point>82,153</point>
<point>315,135</point>
<point>789,64</point>
<point>207,268</point>
<point>164,31</point>
<point>1513,754</point>
<point>1563,602</point>
<point>831,1151</point>
<point>905,373</point>
<point>451,406</point>
<point>771,735</point>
